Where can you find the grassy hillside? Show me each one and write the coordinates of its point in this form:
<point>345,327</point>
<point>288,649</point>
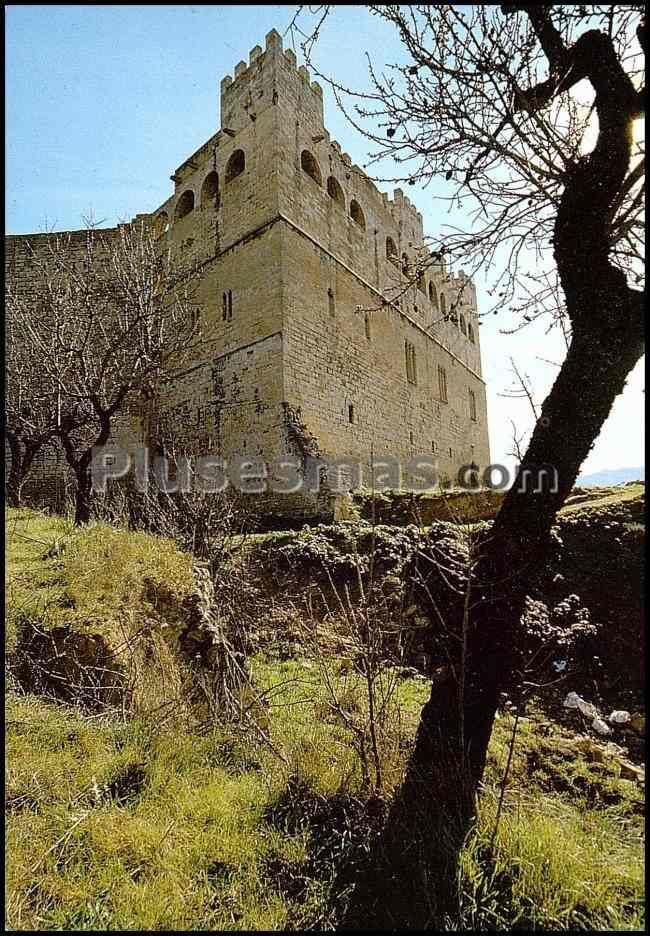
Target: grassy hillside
<point>151,817</point>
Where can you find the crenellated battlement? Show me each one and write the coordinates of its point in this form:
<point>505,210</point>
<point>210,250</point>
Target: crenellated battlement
<point>318,294</point>
<point>264,73</point>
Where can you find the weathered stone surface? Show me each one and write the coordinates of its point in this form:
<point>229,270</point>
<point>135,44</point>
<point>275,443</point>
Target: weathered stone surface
<point>319,316</point>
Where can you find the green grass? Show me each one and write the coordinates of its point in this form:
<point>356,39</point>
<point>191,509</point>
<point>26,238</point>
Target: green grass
<point>126,824</point>
<point>95,578</point>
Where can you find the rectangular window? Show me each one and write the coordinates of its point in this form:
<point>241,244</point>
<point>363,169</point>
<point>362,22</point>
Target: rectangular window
<point>226,306</point>
<point>472,405</point>
<point>367,326</point>
<point>442,384</point>
<point>411,371</point>
<point>350,413</point>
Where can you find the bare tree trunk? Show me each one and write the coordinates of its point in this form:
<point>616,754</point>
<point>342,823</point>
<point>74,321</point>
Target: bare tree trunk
<point>412,881</point>
<point>83,496</point>
<point>413,878</point>
<point>81,465</point>
<point>22,457</point>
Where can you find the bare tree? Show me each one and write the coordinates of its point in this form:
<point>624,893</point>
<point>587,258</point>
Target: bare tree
<point>106,318</point>
<point>499,101</point>
<point>31,405</point>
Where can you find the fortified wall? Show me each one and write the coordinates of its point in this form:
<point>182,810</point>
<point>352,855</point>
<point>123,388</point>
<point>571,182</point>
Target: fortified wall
<point>328,326</point>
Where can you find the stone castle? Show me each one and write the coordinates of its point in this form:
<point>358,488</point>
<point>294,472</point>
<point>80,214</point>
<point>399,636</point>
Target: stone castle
<point>334,331</point>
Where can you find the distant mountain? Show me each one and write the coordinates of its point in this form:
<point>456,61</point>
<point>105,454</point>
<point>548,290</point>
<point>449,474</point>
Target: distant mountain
<point>611,476</point>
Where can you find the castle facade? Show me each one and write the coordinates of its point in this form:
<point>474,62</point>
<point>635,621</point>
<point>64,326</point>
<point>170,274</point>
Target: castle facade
<point>332,330</point>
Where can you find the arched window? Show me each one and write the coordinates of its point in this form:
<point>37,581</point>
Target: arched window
<point>433,296</point>
<point>184,205</point>
<point>405,264</point>
<point>470,332</point>
<point>443,304</point>
<point>391,250</point>
<point>463,324</point>
<point>210,191</point>
<point>357,214</point>
<point>161,224</point>
<point>335,191</point>
<point>311,167</point>
<point>236,165</point>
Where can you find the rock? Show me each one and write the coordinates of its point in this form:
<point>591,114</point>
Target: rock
<point>619,717</point>
<point>630,771</point>
<point>573,700</point>
<point>600,726</point>
<point>637,723</point>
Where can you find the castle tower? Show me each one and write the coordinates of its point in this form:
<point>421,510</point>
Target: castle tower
<point>324,326</point>
<point>328,326</point>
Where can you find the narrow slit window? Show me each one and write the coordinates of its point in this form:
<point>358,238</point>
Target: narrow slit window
<point>351,413</point>
<point>331,304</point>
<point>226,306</point>
<point>411,370</point>
<point>472,405</point>
<point>367,326</point>
<point>442,384</point>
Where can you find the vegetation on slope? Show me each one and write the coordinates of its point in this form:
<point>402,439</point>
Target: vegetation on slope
<point>134,821</point>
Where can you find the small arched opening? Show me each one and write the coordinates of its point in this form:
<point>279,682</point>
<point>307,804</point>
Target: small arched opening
<point>184,205</point>
<point>309,165</point>
<point>236,165</point>
<point>422,286</point>
<point>391,250</point>
<point>463,324</point>
<point>433,296</point>
<point>443,305</point>
<point>356,213</point>
<point>335,191</point>
<point>470,332</point>
<point>210,191</point>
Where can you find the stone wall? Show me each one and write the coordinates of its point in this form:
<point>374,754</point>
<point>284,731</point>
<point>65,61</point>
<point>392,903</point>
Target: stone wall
<point>316,288</point>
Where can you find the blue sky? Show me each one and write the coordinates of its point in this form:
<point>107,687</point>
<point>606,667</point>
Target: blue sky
<point>104,102</point>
